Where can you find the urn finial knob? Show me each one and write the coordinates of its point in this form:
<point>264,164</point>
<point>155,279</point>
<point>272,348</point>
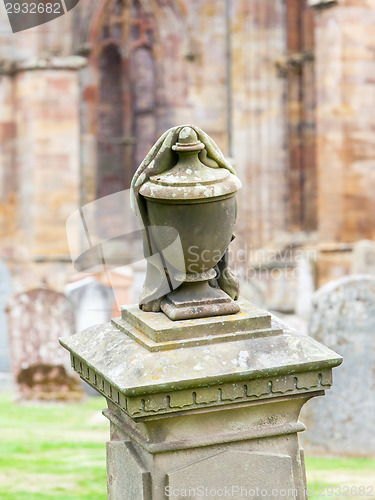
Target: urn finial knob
<point>188,141</point>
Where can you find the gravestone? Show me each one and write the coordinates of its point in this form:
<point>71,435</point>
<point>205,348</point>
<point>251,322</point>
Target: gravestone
<point>40,369</point>
<point>306,274</point>
<point>343,318</point>
<point>363,259</point>
<point>203,388</point>
<point>5,292</point>
<point>92,302</point>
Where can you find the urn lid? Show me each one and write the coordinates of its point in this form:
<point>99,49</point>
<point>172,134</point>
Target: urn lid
<point>190,179</point>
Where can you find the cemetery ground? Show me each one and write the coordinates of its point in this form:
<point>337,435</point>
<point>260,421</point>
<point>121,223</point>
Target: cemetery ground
<point>57,451</point>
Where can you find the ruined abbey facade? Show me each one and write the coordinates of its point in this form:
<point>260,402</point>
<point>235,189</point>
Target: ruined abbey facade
<point>285,87</point>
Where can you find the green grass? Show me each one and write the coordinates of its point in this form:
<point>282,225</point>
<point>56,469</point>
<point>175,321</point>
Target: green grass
<point>50,452</point>
<point>340,478</point>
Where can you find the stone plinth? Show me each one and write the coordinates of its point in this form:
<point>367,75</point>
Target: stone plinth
<point>205,403</point>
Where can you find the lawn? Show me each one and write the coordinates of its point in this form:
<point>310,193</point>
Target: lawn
<point>57,452</point>
<point>341,478</point>
<point>53,452</point>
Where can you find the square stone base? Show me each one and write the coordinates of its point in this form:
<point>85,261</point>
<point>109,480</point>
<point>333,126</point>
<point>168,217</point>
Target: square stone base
<point>250,451</point>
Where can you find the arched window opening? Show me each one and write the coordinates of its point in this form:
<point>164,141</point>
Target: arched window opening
<point>111,172</point>
<point>144,123</point>
<point>126,109</point>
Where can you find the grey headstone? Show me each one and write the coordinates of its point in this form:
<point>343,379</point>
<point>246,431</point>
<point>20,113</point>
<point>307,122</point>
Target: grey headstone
<point>343,318</point>
<point>41,369</point>
<point>305,286</point>
<point>92,302</point>
<point>363,257</point>
<point>5,292</point>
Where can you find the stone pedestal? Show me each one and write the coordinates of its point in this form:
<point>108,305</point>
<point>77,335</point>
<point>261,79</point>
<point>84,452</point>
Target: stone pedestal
<point>206,408</point>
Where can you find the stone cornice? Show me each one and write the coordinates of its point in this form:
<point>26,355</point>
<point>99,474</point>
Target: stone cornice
<point>197,398</point>
<point>56,63</point>
<point>147,383</point>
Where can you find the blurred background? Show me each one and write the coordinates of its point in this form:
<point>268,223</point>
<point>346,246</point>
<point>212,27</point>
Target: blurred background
<point>287,90</point>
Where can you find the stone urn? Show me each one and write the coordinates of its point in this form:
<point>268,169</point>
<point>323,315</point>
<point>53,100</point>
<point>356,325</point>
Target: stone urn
<point>198,202</point>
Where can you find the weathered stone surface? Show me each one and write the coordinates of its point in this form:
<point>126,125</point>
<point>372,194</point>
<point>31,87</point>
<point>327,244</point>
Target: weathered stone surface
<point>343,317</point>
<point>258,387</point>
<point>173,198</point>
<point>136,370</point>
<point>43,158</point>
<point>345,127</point>
<point>232,391</point>
<point>245,471</point>
<point>160,328</point>
<point>40,367</point>
<point>127,477</point>
<point>254,447</point>
<point>203,417</point>
<point>284,384</point>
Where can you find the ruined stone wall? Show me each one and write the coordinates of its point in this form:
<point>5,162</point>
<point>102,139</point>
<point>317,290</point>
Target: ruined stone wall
<point>228,83</point>
<point>345,86</point>
<point>258,41</point>
<point>39,154</point>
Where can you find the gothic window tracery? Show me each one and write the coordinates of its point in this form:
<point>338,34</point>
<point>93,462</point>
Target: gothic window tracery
<point>127,88</point>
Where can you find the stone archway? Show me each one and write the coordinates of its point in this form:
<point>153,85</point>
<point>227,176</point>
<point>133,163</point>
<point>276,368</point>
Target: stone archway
<point>126,118</point>
<point>111,175</point>
<point>124,102</point>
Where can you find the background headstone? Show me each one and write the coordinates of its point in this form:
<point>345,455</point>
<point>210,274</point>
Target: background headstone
<point>343,318</point>
<point>363,257</point>
<point>92,302</point>
<point>40,367</point>
<point>306,278</point>
<point>5,292</point>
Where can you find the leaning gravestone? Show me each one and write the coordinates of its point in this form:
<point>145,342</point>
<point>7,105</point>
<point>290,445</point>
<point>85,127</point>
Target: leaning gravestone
<point>5,292</point>
<point>343,318</point>
<point>40,369</point>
